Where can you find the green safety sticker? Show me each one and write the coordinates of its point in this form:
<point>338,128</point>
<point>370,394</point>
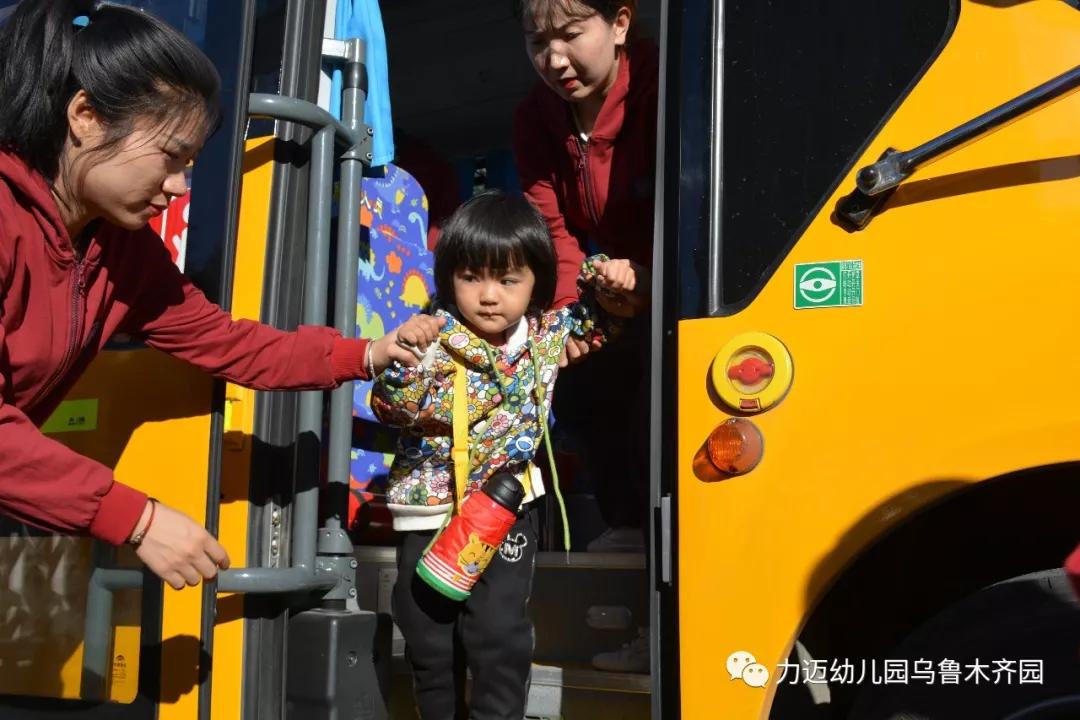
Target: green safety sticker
<point>838,283</point>
<point>73,416</point>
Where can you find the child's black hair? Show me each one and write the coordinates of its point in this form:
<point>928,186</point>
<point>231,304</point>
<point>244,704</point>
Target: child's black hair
<point>494,231</point>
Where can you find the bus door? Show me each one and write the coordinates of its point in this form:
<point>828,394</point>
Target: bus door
<point>852,434</point>
<point>88,633</point>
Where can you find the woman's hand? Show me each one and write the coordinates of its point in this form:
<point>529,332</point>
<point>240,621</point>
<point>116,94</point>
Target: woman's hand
<point>177,549</point>
<point>622,287</point>
<point>575,351</point>
<point>616,275</point>
<point>418,332</point>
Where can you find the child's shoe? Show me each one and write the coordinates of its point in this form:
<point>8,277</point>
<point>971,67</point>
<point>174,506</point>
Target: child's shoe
<point>632,657</point>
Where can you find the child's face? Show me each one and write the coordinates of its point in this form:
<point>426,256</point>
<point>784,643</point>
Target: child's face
<point>490,303</point>
<point>575,56</point>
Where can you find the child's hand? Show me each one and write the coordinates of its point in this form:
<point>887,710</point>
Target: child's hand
<point>622,287</point>
<point>418,332</point>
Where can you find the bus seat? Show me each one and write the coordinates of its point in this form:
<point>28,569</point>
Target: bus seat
<point>395,281</point>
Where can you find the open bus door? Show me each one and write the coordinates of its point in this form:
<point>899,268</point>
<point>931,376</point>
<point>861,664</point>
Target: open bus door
<point>92,636</point>
<point>767,114</point>
<point>875,321</point>
<point>88,633</point>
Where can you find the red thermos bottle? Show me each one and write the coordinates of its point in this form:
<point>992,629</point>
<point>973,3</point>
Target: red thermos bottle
<point>459,555</point>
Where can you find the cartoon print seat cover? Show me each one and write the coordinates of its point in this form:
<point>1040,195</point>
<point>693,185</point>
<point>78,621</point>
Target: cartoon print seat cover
<point>395,280</point>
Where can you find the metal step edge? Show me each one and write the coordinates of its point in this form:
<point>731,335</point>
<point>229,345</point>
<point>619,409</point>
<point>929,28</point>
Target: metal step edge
<point>573,678</point>
<point>579,678</point>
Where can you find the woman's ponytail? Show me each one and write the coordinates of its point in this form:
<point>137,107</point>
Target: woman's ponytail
<point>36,51</point>
<point>130,64</point>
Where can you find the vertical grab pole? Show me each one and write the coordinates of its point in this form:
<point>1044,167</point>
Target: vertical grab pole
<point>309,425</point>
<point>348,251</point>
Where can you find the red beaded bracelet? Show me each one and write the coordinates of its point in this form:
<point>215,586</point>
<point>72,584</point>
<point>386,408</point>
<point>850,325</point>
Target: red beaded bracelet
<point>137,538</point>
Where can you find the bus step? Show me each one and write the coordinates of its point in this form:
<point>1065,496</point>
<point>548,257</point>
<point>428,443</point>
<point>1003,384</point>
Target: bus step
<point>590,561</point>
<point>595,603</point>
<point>573,605</point>
<point>556,693</point>
<point>584,678</point>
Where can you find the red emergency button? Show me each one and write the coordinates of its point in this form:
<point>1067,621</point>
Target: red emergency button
<point>750,371</point>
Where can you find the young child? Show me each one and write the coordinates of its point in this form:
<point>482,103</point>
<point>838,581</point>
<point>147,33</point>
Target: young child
<point>495,276</point>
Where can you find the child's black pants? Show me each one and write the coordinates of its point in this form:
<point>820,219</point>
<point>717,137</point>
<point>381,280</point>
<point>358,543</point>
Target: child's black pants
<point>490,633</point>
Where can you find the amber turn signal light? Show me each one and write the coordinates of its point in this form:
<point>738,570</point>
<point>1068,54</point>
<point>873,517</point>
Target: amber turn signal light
<point>734,447</point>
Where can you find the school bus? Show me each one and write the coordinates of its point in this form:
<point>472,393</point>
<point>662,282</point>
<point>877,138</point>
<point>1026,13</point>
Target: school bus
<point>864,380</point>
<point>913,497</point>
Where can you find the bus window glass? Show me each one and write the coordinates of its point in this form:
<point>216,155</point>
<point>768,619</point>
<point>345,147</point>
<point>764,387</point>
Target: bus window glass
<point>805,86</point>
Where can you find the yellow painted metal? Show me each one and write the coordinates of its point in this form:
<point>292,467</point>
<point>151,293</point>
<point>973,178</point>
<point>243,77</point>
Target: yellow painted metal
<point>153,427</point>
<point>236,457</point>
<point>917,393</point>
<point>168,457</point>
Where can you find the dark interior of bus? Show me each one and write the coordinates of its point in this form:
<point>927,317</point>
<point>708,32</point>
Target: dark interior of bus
<point>458,70</point>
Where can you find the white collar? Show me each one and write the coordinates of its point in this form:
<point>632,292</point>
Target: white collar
<point>518,337</point>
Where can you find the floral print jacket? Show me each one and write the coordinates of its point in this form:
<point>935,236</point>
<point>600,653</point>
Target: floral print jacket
<point>506,406</point>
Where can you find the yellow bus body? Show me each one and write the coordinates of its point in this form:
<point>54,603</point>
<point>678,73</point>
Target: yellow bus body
<point>914,394</point>
<point>153,426</point>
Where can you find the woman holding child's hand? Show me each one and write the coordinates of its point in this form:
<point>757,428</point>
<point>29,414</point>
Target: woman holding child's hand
<point>108,111</point>
<point>623,287</point>
<point>419,331</point>
<point>585,149</point>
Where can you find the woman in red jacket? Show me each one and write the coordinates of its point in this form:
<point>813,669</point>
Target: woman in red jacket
<point>585,147</point>
<point>99,121</point>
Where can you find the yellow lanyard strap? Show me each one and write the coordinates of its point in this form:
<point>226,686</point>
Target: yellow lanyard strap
<point>460,451</point>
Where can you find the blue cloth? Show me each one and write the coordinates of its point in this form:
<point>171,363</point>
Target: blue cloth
<point>363,19</point>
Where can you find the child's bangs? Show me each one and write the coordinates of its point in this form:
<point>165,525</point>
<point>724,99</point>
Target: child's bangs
<point>498,257</point>
<point>493,233</point>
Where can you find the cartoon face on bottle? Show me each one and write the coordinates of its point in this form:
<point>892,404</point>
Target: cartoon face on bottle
<point>475,556</point>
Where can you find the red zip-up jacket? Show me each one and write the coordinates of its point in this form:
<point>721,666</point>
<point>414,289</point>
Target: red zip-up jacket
<point>596,195</point>
<point>56,313</point>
